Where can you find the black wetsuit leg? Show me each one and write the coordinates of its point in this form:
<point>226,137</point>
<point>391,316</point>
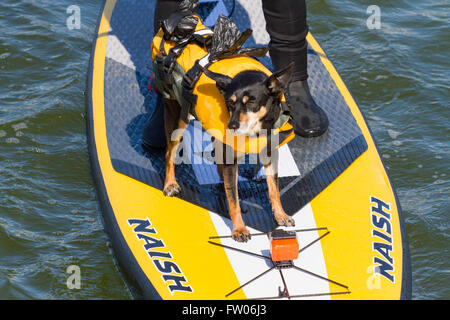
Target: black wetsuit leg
<point>287,26</point>
<point>153,135</point>
<point>163,9</point>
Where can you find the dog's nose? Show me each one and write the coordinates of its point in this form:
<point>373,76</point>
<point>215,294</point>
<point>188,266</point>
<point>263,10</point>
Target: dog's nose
<point>233,124</point>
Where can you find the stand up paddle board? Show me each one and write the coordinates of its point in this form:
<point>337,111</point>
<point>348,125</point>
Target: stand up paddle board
<point>349,240</point>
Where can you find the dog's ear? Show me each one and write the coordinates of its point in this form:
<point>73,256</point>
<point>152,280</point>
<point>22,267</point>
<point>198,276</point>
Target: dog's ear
<point>279,80</point>
<point>222,82</point>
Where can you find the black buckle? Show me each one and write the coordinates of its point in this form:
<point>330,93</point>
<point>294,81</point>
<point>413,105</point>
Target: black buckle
<point>191,77</point>
<point>169,62</point>
<point>204,41</point>
<point>161,72</point>
<point>285,107</point>
<point>165,67</point>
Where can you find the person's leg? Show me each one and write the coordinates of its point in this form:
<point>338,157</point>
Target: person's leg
<point>287,26</point>
<point>153,134</point>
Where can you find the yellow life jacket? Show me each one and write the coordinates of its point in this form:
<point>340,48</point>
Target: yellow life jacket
<point>210,107</point>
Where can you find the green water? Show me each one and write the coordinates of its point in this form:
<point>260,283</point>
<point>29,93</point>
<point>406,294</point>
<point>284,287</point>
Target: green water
<point>49,215</point>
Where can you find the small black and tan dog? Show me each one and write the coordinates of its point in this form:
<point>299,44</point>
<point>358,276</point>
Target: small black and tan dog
<point>252,100</point>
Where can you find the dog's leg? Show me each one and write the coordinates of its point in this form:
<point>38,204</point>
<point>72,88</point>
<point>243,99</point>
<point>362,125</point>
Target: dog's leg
<point>174,127</point>
<point>274,195</point>
<point>230,175</point>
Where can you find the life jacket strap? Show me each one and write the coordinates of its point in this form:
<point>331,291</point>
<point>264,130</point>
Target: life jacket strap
<point>166,62</point>
<point>285,107</point>
<point>190,78</point>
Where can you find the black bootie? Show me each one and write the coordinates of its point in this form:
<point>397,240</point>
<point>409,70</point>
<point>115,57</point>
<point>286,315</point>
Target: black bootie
<point>309,119</point>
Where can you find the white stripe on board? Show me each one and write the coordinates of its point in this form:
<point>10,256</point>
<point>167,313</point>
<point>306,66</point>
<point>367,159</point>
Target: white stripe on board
<point>247,266</point>
<point>286,164</point>
<point>206,172</point>
<point>115,50</point>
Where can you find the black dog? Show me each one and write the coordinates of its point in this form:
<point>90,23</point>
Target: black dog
<point>252,99</point>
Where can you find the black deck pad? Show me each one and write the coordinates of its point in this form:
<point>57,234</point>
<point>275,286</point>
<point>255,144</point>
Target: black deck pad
<point>129,103</point>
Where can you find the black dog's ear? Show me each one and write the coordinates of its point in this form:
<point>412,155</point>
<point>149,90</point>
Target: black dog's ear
<point>279,80</point>
<point>222,82</point>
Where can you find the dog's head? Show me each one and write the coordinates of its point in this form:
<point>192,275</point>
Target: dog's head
<point>252,99</point>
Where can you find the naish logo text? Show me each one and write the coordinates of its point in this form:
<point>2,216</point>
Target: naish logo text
<point>169,269</point>
<point>382,243</point>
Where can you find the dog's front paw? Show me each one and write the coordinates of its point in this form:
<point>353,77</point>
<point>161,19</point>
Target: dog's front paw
<point>285,220</point>
<point>172,190</point>
<point>241,235</point>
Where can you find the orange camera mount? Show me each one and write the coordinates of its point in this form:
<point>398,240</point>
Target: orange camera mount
<point>284,248</point>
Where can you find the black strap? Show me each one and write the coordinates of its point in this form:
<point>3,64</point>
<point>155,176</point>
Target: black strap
<point>162,50</point>
<point>166,63</point>
<point>285,107</point>
<point>202,41</point>
<point>190,78</point>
